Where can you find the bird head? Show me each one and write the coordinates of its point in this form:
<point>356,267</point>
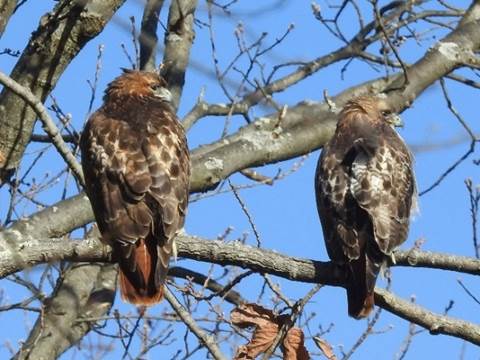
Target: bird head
<point>391,117</point>
<point>376,107</point>
<point>134,84</point>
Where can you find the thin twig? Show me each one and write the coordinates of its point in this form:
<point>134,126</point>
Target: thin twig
<point>255,176</point>
<point>471,150</point>
<point>247,213</point>
<point>217,289</point>
<point>135,42</point>
<point>379,20</point>
<point>296,311</point>
<point>368,331</point>
<point>469,293</point>
<point>142,311</point>
<point>93,86</point>
<point>455,112</point>
<point>407,342</point>
<point>474,195</point>
<point>204,338</point>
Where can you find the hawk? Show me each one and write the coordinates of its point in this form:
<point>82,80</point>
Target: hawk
<point>137,169</point>
<point>365,189</point>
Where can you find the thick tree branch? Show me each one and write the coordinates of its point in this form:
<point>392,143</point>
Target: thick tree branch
<point>148,34</point>
<point>178,42</point>
<point>15,256</point>
<point>434,323</point>
<point>58,219</point>
<point>56,329</point>
<point>20,251</point>
<point>433,260</point>
<point>76,296</point>
<point>59,38</point>
<point>6,10</point>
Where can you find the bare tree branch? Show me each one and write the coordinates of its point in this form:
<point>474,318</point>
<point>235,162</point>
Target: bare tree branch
<point>258,260</point>
<point>447,55</point>
<point>435,323</point>
<point>59,38</point>
<point>218,289</point>
<point>203,337</point>
<point>6,10</point>
<point>178,41</point>
<point>354,48</point>
<point>148,34</point>
<point>59,327</point>
<point>48,124</point>
<point>297,309</point>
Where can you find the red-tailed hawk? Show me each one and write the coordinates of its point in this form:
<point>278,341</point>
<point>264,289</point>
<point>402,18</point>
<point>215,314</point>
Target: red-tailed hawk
<point>365,189</point>
<point>137,169</point>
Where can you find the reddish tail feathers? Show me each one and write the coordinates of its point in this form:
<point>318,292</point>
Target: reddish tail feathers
<point>359,304</point>
<point>363,274</point>
<point>139,287</point>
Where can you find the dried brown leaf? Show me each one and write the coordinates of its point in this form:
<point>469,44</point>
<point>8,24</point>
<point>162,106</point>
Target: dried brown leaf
<point>251,314</point>
<point>294,345</point>
<point>267,325</point>
<point>262,339</point>
<point>325,347</point>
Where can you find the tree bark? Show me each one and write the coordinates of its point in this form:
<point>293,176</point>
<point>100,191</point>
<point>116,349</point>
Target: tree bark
<point>178,42</point>
<point>6,10</point>
<point>148,35</point>
<point>76,296</point>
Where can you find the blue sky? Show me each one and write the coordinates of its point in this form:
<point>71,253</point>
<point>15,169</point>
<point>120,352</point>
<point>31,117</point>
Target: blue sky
<point>285,214</point>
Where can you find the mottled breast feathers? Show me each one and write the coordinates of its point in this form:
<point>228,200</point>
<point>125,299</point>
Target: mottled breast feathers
<point>365,188</point>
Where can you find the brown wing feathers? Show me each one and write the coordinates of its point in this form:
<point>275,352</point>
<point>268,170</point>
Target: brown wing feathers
<point>137,169</point>
<point>364,188</point>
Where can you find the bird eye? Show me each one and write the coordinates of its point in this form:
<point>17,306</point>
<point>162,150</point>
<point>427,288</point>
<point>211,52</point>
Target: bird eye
<point>155,86</point>
<point>386,113</point>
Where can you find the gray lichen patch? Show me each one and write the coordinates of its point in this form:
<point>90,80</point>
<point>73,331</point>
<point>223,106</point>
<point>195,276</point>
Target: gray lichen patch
<point>213,164</point>
<point>449,50</point>
<point>265,139</point>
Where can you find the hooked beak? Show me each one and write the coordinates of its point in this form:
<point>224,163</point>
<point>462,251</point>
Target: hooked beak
<point>395,120</point>
<point>164,94</point>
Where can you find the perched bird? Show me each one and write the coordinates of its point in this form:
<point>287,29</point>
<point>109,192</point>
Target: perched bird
<point>137,169</point>
<point>365,190</point>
